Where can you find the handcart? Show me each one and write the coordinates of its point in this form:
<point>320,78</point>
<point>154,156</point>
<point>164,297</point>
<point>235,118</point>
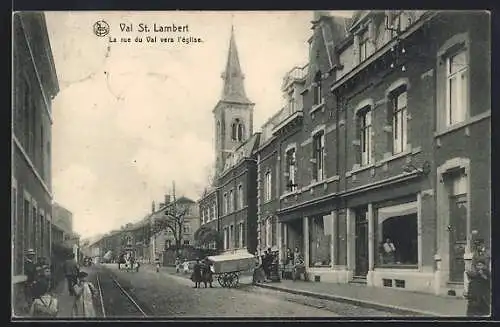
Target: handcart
<point>227,267</point>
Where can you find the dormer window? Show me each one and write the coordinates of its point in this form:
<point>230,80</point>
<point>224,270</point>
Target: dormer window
<point>317,89</point>
<point>363,46</point>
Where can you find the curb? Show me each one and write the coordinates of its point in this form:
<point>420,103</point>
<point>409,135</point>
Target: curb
<point>357,302</point>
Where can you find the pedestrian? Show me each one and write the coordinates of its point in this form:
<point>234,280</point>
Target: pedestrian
<point>84,293</point>
<point>196,275</point>
<point>45,304</point>
<point>298,265</point>
<point>479,290</point>
<point>207,274</point>
<point>265,264</point>
<point>157,263</point>
<point>30,272</point>
<point>71,270</point>
<point>177,264</point>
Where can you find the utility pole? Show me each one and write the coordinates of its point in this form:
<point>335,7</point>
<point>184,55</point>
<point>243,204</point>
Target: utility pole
<point>175,214</point>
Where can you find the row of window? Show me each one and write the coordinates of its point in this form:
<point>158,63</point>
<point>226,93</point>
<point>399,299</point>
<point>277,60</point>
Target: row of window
<point>457,92</point>
<point>230,204</point>
<point>31,229</point>
<point>208,214</point>
<point>30,133</point>
<point>234,240</point>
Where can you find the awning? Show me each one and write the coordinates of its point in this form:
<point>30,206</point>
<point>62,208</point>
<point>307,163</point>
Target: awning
<point>397,211</point>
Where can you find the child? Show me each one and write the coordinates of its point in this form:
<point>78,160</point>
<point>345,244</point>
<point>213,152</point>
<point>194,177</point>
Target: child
<point>45,304</point>
<point>84,293</point>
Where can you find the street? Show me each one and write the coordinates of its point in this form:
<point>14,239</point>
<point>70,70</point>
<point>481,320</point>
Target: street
<point>151,294</point>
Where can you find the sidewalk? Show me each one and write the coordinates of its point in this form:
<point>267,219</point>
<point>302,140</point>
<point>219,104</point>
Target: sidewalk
<point>402,302</point>
<point>65,301</point>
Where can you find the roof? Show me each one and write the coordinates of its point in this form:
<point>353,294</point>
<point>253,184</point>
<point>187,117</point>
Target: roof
<point>245,150</point>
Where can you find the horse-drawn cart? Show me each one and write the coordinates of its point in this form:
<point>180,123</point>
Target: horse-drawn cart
<point>228,267</point>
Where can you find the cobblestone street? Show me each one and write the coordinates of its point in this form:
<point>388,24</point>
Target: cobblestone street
<point>165,295</point>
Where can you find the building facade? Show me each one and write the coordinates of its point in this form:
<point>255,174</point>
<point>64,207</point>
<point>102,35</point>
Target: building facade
<point>229,207</point>
<point>190,223</point>
<point>35,84</point>
<point>396,115</point>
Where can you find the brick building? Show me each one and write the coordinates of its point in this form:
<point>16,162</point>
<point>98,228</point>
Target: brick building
<point>230,206</point>
<point>395,121</point>
<point>35,84</point>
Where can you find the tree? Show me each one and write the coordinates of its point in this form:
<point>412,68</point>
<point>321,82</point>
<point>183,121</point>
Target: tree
<point>172,219</point>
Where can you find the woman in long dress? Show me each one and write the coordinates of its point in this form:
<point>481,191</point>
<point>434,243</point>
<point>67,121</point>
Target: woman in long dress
<point>84,294</point>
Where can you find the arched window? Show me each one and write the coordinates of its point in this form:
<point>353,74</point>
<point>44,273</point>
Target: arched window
<point>240,132</point>
<point>237,130</point>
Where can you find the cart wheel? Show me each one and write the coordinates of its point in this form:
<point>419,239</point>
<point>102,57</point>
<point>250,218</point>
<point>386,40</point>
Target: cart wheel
<point>234,280</point>
<point>221,280</point>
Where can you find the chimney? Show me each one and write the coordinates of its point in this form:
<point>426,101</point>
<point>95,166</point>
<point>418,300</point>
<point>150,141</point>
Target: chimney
<point>153,207</point>
<point>167,199</point>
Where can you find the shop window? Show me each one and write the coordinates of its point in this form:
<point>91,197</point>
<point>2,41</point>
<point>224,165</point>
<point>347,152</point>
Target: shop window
<point>397,240</point>
<point>319,242</point>
<point>186,242</point>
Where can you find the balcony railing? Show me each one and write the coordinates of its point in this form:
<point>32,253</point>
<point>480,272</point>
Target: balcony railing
<point>287,115</point>
<point>297,74</point>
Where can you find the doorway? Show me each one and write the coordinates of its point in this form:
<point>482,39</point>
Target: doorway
<point>361,243</point>
<point>294,235</point>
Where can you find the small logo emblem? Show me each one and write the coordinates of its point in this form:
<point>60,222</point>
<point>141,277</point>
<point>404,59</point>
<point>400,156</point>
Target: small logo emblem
<point>101,28</point>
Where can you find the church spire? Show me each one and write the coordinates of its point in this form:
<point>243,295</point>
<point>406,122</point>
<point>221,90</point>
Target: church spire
<point>233,90</point>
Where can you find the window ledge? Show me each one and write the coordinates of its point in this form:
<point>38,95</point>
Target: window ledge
<point>468,122</point>
<point>267,202</point>
<point>317,107</point>
<point>288,194</point>
<point>323,181</point>
<point>397,156</point>
<point>358,170</point>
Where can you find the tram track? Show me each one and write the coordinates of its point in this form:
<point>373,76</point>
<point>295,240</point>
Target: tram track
<point>115,300</point>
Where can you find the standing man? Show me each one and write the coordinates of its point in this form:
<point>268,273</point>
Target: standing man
<point>30,272</point>
<point>71,271</point>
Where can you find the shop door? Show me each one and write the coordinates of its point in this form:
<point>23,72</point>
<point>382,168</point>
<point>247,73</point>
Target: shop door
<point>361,250</point>
<point>458,237</point>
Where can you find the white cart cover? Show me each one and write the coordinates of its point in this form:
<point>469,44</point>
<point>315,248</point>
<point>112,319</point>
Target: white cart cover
<point>232,262</point>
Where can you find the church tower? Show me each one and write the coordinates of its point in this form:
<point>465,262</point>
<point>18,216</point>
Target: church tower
<point>234,112</point>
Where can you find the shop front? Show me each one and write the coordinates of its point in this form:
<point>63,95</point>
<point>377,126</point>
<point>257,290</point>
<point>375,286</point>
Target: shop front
<point>387,244</point>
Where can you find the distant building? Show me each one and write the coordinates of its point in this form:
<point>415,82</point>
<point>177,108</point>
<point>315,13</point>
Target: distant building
<point>190,223</point>
<point>35,84</point>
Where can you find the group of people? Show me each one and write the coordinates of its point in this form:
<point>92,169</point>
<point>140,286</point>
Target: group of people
<point>202,273</point>
<point>38,286</point>
<point>40,293</point>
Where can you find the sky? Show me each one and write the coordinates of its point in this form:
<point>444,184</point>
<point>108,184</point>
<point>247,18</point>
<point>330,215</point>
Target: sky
<point>131,118</point>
